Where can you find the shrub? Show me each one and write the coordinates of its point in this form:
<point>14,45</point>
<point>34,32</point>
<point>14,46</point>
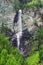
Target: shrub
<point>33,59</point>
<point>4,42</point>
<point>3,57</point>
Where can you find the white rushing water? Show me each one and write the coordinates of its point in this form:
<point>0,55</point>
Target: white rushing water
<point>19,34</point>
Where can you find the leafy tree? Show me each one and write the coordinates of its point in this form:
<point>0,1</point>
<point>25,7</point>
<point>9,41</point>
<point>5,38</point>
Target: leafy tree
<point>40,46</point>
<point>4,42</point>
<point>13,61</point>
<point>33,3</point>
<point>33,59</point>
<point>17,55</point>
<point>9,55</point>
<point>3,57</point>
<point>20,4</point>
<point>10,58</point>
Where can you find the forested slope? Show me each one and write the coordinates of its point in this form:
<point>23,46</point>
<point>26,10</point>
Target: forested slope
<point>9,53</point>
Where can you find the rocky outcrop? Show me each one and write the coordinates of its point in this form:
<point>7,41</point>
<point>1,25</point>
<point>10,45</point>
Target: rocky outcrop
<point>29,18</point>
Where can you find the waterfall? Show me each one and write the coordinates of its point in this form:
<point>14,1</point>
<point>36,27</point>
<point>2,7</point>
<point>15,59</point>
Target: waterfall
<point>19,34</point>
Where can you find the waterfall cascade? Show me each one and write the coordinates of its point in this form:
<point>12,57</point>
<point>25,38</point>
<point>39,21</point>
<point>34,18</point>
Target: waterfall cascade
<point>19,34</point>
<point>22,35</point>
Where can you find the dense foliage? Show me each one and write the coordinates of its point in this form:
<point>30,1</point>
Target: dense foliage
<point>33,59</point>
<point>10,55</point>
<point>21,4</point>
<point>33,3</point>
<point>40,38</point>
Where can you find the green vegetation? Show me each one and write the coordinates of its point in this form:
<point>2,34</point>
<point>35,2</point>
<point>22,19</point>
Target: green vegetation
<point>4,43</point>
<point>40,38</point>
<point>36,3</point>
<point>9,59</point>
<point>33,59</point>
<point>21,4</point>
<point>10,55</point>
<point>16,5</point>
